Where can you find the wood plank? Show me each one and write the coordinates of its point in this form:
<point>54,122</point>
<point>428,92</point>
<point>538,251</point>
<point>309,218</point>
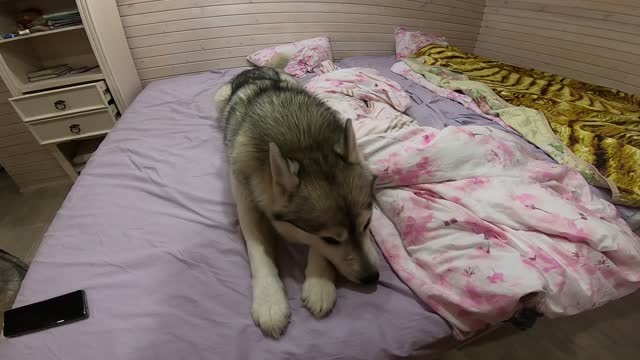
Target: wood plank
<point>584,39</point>
<point>444,14</point>
<point>519,42</point>
<point>5,96</point>
<point>277,23</point>
<point>35,166</point>
<point>167,5</point>
<point>9,119</point>
<point>560,18</point>
<point>6,109</point>
<point>17,139</point>
<point>37,176</point>
<point>598,71</point>
<point>12,130</point>
<point>609,55</point>
<point>358,22</point>
<point>552,68</point>
<point>614,6</point>
<point>33,185</point>
<point>221,53</point>
<point>625,39</point>
<point>21,159</point>
<point>24,148</point>
<point>160,73</point>
<point>606,14</point>
<point>194,67</point>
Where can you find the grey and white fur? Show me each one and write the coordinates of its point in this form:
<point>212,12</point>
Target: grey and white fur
<point>296,174</point>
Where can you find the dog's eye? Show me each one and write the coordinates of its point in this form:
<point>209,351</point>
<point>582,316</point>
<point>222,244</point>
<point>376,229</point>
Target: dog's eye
<point>366,225</point>
<point>331,241</point>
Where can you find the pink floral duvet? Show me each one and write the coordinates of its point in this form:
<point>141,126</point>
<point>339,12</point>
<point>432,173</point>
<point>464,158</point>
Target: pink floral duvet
<point>473,221</point>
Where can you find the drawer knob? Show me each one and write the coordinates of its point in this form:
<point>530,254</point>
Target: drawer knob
<point>75,128</point>
<point>60,104</point>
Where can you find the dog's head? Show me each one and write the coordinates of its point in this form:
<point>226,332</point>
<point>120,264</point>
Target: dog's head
<point>324,200</point>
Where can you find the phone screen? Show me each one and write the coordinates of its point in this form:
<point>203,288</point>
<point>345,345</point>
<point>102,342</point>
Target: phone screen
<point>46,314</point>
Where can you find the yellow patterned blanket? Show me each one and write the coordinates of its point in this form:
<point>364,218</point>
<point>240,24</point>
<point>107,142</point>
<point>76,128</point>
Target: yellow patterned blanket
<point>600,125</point>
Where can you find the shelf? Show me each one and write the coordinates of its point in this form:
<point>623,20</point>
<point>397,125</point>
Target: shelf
<point>48,32</point>
<point>65,80</point>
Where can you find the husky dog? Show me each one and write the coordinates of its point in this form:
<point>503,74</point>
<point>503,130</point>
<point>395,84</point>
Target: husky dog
<point>296,174</point>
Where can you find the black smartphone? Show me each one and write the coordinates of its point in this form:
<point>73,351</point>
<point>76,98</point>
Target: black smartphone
<point>57,311</point>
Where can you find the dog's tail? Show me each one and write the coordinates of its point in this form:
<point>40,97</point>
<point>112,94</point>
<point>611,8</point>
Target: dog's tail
<point>221,98</point>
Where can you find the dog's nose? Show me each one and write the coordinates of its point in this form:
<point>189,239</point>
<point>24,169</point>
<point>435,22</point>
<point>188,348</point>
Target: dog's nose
<point>371,278</point>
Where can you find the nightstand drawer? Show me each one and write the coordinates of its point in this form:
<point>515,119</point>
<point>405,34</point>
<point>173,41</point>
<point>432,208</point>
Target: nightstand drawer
<point>70,100</point>
<point>72,127</point>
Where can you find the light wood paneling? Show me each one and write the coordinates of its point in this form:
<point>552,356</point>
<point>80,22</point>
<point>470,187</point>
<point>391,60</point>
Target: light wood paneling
<point>593,41</point>
<point>26,161</point>
<point>176,37</point>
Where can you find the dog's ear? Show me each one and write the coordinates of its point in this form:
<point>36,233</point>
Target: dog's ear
<point>348,149</point>
<point>283,172</point>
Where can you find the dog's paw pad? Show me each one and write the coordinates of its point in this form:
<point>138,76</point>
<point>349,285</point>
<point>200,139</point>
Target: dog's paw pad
<point>319,296</point>
<point>270,309</point>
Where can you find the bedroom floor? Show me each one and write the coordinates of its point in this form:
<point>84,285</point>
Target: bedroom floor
<point>605,333</point>
<point>24,218</point>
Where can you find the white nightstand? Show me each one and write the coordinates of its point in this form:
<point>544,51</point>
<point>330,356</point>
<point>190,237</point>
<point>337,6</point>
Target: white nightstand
<point>69,115</point>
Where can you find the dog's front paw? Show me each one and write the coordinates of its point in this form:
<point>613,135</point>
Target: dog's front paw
<point>319,296</point>
<point>270,309</point>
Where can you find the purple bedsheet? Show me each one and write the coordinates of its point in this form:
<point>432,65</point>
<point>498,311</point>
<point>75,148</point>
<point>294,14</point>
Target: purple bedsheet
<point>150,232</point>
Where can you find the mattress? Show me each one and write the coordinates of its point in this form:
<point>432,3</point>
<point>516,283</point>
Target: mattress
<point>149,230</point>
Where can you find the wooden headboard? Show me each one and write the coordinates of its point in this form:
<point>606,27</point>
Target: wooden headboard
<point>176,37</point>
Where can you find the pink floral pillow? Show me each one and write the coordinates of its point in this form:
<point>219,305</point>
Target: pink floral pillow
<point>297,58</point>
<point>409,42</point>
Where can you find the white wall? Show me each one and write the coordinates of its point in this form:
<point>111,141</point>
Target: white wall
<point>174,37</point>
<point>596,41</point>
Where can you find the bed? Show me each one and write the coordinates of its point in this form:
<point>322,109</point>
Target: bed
<point>149,230</point>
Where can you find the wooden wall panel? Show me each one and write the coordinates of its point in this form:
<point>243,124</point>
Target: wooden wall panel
<point>176,37</point>
<point>597,41</point>
<point>26,161</point>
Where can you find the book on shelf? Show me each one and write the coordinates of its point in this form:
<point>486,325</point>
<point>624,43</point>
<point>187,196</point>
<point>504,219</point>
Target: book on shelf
<point>52,70</point>
<point>58,71</point>
<point>62,14</point>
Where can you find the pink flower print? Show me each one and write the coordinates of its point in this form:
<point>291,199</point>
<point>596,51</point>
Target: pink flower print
<point>478,181</point>
<point>496,277</point>
<point>408,177</point>
<point>361,78</point>
<point>527,201</point>
<point>604,262</point>
<point>455,199</point>
<point>398,209</point>
<point>576,256</point>
<point>549,263</point>
<point>414,230</point>
<point>487,232</point>
<point>473,294</point>
<point>469,272</point>
<point>451,221</point>
<point>493,157</point>
<point>427,138</point>
<point>508,155</point>
<point>387,167</point>
<point>424,165</point>
<point>393,85</point>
